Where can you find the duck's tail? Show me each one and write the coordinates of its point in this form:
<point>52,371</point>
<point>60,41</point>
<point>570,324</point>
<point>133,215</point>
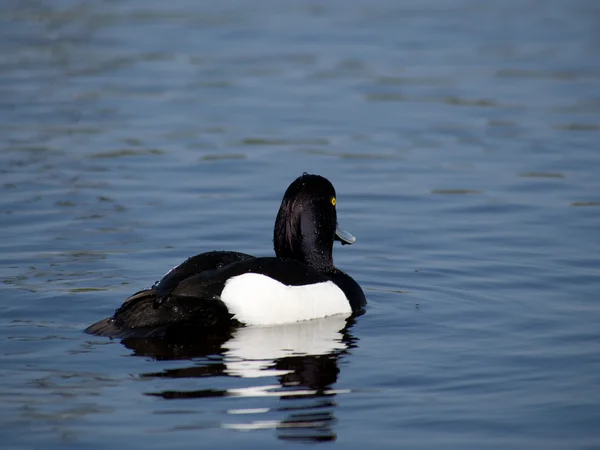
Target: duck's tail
<point>133,307</point>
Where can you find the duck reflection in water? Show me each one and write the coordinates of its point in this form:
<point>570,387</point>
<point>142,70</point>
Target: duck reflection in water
<point>302,357</point>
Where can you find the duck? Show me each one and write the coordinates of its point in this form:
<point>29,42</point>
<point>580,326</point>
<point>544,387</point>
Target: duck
<point>217,291</point>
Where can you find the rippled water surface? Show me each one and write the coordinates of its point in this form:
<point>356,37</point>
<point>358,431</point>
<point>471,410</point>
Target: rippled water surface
<point>463,140</point>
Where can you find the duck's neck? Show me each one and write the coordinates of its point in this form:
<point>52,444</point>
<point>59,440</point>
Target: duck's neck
<point>307,251</point>
<point>304,238</point>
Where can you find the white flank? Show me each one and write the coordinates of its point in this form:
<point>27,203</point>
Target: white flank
<point>259,300</point>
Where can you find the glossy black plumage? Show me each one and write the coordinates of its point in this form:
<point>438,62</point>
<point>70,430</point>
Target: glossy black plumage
<point>187,299</point>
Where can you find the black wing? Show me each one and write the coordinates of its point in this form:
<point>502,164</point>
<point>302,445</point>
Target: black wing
<point>288,271</point>
<point>152,312</point>
<point>205,263</point>
<point>189,316</point>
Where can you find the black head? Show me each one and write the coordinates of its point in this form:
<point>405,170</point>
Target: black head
<point>306,223</point>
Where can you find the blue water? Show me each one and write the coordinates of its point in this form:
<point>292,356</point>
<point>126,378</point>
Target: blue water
<point>462,139</point>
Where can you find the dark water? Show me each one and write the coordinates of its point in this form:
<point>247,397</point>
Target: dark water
<point>464,142</point>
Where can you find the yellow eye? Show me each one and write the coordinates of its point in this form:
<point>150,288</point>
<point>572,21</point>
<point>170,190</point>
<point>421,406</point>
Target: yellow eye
<point>333,202</point>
